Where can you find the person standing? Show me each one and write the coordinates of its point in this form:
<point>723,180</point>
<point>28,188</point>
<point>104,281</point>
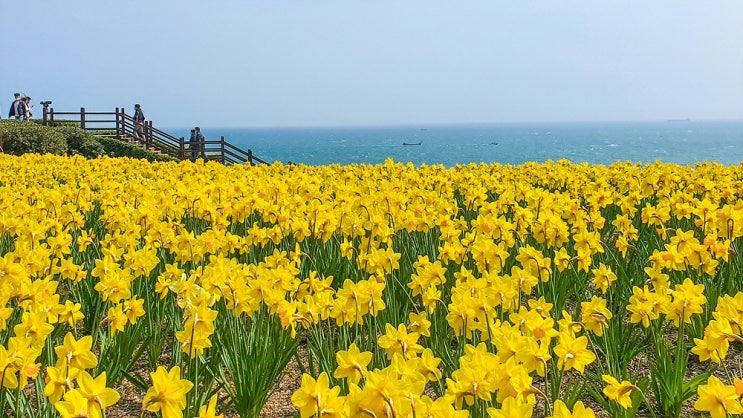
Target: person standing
<point>139,123</point>
<point>200,142</point>
<point>25,107</point>
<point>15,111</point>
<point>192,145</point>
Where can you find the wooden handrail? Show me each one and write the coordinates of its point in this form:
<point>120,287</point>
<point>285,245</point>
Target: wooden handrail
<point>235,149</point>
<point>124,126</point>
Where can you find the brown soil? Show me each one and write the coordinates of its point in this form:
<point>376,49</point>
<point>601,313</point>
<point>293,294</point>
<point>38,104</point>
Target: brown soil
<point>279,403</point>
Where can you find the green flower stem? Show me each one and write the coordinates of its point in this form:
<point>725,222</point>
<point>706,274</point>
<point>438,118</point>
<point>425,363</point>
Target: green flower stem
<point>18,399</point>
<point>647,403</point>
<point>2,391</point>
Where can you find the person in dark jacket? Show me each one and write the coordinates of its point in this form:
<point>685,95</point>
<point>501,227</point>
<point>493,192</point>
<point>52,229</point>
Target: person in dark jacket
<point>192,145</point>
<point>15,111</point>
<point>139,123</point>
<point>200,142</point>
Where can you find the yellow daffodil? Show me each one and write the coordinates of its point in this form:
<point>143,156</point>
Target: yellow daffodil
<point>573,353</point>
<point>595,316</point>
<point>76,353</point>
<point>400,341</point>
<point>58,381</point>
<point>352,364</point>
<point>210,410</point>
<point>75,405</point>
<point>167,393</point>
<point>511,408</point>
<point>560,410</point>
<point>618,391</point>
<point>95,391</point>
<point>718,399</point>
<point>316,398</point>
<point>603,277</point>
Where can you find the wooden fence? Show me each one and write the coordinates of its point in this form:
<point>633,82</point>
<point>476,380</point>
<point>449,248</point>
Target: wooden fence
<point>120,125</point>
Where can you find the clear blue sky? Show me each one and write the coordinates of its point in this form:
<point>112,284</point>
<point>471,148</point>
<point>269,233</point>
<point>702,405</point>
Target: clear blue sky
<point>317,62</point>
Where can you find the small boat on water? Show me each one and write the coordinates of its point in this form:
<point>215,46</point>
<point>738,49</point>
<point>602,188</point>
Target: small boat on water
<point>412,143</point>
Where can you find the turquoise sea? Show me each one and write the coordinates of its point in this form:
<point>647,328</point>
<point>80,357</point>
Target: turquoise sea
<point>681,142</point>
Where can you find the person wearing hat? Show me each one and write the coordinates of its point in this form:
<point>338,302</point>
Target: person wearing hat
<point>138,123</point>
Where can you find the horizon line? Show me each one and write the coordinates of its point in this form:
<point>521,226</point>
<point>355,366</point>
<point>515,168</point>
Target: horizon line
<point>424,125</point>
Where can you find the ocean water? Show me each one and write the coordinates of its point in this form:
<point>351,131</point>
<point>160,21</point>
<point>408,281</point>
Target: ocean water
<point>680,142</point>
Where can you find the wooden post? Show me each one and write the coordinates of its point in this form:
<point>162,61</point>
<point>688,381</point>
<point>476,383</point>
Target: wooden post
<point>118,126</point>
<point>182,148</point>
<point>250,156</point>
<point>221,148</point>
<point>82,118</point>
<point>51,116</point>
<point>123,122</point>
<point>45,118</point>
<point>148,133</point>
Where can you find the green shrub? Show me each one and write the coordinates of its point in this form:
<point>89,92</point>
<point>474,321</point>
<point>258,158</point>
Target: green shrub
<point>80,142</point>
<point>118,148</point>
<point>66,138</point>
<point>61,122</point>
<point>24,137</point>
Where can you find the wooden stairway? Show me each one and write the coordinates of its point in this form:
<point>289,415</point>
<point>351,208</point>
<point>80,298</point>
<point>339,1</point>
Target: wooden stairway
<point>137,143</point>
<point>155,141</point>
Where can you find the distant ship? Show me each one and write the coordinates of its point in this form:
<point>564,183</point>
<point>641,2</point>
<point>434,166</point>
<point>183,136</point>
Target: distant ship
<point>679,120</point>
<point>412,143</point>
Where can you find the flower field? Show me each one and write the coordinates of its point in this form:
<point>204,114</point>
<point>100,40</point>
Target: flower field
<point>550,290</point>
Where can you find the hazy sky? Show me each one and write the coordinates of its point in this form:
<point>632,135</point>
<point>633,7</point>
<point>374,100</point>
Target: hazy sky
<point>317,62</point>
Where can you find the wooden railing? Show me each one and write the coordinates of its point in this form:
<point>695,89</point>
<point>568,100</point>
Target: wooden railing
<point>153,139</point>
